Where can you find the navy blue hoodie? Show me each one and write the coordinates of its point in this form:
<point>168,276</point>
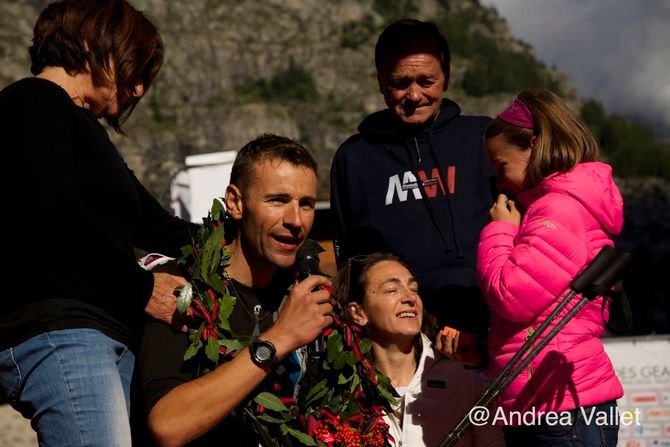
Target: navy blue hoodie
<point>421,193</point>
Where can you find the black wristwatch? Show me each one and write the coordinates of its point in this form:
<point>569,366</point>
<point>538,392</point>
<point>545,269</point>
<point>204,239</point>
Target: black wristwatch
<point>263,353</point>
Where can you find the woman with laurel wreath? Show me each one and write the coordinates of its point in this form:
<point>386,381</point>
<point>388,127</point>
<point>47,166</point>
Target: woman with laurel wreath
<point>380,294</point>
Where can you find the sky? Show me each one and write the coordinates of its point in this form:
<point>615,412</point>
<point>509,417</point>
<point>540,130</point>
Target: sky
<point>614,51</point>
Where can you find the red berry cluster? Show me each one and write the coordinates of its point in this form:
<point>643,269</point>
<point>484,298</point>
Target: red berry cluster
<point>337,433</point>
<point>376,438</point>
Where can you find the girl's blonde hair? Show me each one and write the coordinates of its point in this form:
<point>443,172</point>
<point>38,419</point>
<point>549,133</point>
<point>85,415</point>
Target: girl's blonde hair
<point>562,138</point>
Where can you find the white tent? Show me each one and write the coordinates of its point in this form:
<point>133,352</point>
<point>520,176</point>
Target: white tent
<point>203,178</point>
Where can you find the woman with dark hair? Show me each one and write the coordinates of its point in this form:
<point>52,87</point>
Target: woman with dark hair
<point>74,294</point>
<point>381,295</point>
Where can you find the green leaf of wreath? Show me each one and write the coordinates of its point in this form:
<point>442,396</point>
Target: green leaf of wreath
<point>216,283</point>
<point>186,251</point>
<point>232,344</point>
<point>300,436</point>
<point>350,358</point>
<point>334,346</point>
<point>267,418</point>
<point>196,343</point>
<point>339,360</point>
<point>342,379</point>
<point>315,389</point>
<point>212,349</point>
<point>270,401</point>
<point>262,430</point>
<point>226,305</point>
<point>386,394</point>
<point>217,209</point>
<point>211,253</point>
<point>317,396</point>
<point>365,345</point>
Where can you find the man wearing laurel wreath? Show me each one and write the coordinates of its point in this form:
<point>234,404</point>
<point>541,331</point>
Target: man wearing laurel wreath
<point>270,203</point>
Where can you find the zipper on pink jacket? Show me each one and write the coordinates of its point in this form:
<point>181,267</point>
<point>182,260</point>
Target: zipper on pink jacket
<point>530,333</point>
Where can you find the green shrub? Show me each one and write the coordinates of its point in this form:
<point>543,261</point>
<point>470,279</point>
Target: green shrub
<point>292,84</point>
<point>629,147</point>
<point>492,69</point>
<point>506,71</point>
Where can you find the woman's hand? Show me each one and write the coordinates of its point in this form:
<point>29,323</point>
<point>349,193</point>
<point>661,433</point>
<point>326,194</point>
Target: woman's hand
<point>505,209</point>
<point>163,303</point>
<point>458,346</point>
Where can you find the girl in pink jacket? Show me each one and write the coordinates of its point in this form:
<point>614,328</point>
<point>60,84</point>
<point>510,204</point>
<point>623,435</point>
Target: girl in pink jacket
<point>566,207</point>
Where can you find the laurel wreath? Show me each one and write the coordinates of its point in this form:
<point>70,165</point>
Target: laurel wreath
<point>341,404</point>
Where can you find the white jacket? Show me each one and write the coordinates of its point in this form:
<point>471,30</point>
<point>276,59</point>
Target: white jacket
<point>439,394</point>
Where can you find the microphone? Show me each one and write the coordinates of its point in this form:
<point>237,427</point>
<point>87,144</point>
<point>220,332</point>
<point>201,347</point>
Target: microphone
<point>307,263</point>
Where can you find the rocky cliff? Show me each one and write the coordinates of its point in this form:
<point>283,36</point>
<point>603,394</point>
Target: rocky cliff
<point>233,70</point>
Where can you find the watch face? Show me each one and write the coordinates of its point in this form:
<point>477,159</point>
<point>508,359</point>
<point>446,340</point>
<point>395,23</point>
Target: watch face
<point>264,353</point>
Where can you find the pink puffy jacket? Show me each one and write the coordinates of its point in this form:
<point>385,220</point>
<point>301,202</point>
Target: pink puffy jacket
<point>523,272</point>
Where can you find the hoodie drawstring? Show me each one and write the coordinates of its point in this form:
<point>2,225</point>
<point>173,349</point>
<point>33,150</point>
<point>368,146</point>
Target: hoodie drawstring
<point>452,214</point>
<point>426,200</point>
<point>429,205</point>
<point>418,152</point>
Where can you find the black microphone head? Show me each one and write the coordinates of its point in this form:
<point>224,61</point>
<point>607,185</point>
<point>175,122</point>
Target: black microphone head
<point>307,260</point>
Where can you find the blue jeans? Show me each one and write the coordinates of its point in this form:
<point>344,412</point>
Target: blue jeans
<point>74,386</point>
<point>582,431</point>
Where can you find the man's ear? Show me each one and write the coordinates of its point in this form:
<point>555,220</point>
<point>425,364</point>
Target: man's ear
<point>234,202</point>
<point>357,314</point>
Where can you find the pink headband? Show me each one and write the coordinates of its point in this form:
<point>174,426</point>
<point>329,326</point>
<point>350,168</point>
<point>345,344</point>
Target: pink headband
<point>518,114</point>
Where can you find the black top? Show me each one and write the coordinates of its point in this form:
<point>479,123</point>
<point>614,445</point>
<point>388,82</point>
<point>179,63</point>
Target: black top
<point>72,214</point>
<point>422,193</point>
<point>162,368</point>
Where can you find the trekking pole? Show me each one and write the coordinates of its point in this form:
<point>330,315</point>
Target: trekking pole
<point>598,277</point>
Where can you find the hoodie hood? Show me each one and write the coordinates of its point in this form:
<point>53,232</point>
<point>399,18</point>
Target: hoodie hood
<point>592,185</point>
<point>385,122</point>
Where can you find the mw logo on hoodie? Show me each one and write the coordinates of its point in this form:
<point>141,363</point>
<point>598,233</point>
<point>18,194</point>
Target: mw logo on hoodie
<point>400,189</point>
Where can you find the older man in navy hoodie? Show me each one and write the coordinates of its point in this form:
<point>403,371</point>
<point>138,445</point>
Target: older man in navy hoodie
<point>415,179</point>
